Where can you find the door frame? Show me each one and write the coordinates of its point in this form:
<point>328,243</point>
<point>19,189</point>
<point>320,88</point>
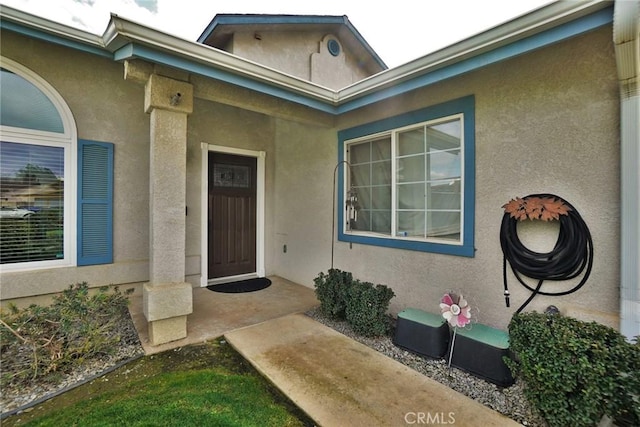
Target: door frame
<point>204,205</point>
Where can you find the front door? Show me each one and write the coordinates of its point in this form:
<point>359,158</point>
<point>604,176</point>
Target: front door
<point>231,215</point>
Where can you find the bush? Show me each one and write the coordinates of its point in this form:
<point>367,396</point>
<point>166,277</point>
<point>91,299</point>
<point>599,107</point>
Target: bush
<point>39,341</point>
<point>366,308</point>
<point>575,372</point>
<point>331,290</point>
<point>362,304</point>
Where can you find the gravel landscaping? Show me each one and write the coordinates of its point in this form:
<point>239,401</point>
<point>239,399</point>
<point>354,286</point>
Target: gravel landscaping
<point>509,401</point>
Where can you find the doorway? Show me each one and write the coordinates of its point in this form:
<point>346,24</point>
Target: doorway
<point>231,221</point>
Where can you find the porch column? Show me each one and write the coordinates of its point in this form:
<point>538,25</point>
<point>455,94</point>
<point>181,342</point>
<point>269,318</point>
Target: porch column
<point>167,298</point>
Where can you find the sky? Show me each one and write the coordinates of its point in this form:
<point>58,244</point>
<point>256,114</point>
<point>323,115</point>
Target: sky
<point>398,31</point>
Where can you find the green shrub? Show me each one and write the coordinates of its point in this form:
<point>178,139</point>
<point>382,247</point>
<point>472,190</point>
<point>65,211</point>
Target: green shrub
<point>366,308</point>
<point>331,290</point>
<point>38,341</point>
<point>575,372</point>
<point>362,304</point>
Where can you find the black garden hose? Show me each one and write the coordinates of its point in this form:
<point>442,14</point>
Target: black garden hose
<point>571,256</point>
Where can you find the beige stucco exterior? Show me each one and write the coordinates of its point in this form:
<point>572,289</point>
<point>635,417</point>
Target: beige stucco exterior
<point>546,121</point>
<point>105,108</point>
<point>300,53</point>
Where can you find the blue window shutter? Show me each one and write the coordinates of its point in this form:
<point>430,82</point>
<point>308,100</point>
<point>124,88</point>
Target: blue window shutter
<point>95,202</point>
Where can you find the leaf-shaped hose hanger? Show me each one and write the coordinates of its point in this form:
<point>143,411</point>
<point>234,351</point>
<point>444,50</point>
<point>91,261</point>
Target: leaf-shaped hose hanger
<point>571,256</point>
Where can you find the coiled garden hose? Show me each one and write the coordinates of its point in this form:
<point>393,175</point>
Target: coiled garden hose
<point>570,257</point>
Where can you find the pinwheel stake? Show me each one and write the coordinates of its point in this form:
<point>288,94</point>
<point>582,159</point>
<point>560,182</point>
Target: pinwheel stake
<point>456,311</point>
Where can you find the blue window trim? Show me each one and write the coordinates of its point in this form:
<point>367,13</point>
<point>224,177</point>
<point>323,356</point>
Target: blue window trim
<point>102,237</point>
<point>466,106</point>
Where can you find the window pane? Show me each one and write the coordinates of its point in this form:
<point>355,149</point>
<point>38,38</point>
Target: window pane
<point>371,180</point>
<point>364,197</point>
<point>237,176</point>
<point>411,169</point>
<point>381,197</point>
<point>444,136</point>
<point>378,221</point>
<point>444,164</point>
<point>361,175</point>
<point>411,223</point>
<point>381,149</point>
<point>381,173</point>
<point>381,221</point>
<point>411,142</point>
<point>360,153</point>
<point>32,202</point>
<point>444,225</point>
<point>25,106</point>
<point>411,196</point>
<point>363,223</point>
<point>444,195</point>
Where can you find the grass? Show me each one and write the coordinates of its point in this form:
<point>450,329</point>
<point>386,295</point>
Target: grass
<point>207,384</point>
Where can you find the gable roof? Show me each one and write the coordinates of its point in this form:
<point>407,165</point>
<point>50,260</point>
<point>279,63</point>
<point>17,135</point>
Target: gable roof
<point>223,26</point>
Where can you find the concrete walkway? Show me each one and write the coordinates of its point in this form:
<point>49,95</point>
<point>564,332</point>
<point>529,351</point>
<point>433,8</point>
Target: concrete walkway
<point>340,382</point>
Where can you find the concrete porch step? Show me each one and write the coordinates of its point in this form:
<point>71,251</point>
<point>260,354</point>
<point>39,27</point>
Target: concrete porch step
<point>338,381</point>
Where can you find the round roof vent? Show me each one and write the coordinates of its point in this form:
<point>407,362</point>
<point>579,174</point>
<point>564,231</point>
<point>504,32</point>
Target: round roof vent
<point>334,47</point>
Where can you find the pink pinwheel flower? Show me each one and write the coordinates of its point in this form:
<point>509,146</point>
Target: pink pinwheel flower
<point>455,309</point>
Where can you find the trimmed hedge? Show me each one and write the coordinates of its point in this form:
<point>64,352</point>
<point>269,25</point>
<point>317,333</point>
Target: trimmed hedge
<point>366,308</point>
<point>331,290</point>
<point>362,304</point>
<point>576,372</point>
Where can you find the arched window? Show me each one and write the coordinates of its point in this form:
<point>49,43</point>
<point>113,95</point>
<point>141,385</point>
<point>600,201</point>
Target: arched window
<point>38,146</point>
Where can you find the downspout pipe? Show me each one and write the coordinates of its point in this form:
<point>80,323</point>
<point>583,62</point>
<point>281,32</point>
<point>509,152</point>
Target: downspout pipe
<point>626,37</point>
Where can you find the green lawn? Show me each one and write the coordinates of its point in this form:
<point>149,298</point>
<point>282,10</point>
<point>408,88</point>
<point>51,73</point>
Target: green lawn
<point>200,385</point>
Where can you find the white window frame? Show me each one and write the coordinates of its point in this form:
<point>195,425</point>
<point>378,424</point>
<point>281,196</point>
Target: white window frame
<point>464,106</point>
<point>393,134</point>
<point>68,141</point>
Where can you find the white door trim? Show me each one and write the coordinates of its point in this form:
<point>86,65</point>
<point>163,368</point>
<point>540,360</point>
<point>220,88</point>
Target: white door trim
<point>260,211</point>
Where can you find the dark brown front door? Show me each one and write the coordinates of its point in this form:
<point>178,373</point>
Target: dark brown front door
<point>232,215</point>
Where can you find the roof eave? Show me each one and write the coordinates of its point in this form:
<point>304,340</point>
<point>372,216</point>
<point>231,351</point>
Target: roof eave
<point>122,32</point>
<point>124,39</point>
<point>527,25</point>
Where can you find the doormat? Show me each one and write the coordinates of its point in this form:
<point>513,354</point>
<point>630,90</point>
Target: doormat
<point>249,285</point>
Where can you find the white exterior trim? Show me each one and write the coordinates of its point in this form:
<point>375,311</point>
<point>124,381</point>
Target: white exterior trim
<point>67,140</point>
<point>260,213</point>
<point>626,35</point>
<point>121,32</point>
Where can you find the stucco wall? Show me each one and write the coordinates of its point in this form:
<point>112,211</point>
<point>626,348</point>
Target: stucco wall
<point>106,108</point>
<point>291,52</point>
<point>545,122</point>
<point>303,203</point>
<point>218,124</point>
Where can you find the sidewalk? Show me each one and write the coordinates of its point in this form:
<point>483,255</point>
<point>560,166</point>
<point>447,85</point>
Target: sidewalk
<point>338,381</point>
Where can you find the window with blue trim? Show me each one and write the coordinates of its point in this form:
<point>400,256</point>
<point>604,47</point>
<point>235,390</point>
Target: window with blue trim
<point>40,224</point>
<point>408,181</point>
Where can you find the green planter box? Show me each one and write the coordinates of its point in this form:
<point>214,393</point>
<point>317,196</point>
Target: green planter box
<point>421,332</point>
<point>479,350</point>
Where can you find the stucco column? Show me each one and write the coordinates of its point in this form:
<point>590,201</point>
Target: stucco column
<point>167,298</point>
